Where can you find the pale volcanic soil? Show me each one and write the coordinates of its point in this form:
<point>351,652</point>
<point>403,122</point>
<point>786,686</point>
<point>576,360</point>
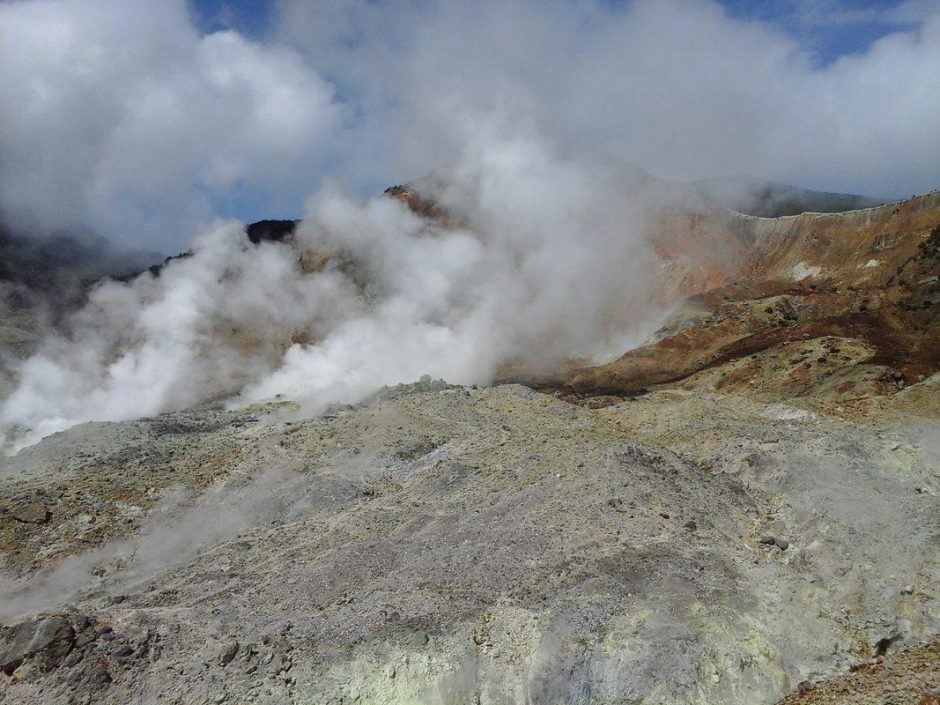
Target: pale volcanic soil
<point>445,544</point>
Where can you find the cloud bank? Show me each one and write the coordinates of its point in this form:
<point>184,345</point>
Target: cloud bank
<point>676,86</point>
<point>120,116</point>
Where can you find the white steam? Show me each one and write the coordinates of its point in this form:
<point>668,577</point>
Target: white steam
<point>178,527</point>
<point>549,261</point>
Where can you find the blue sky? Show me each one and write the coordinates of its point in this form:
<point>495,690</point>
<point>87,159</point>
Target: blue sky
<point>827,28</point>
<point>250,17</point>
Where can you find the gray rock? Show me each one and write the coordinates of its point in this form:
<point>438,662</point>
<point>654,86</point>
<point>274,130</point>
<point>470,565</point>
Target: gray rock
<point>49,640</point>
<point>770,540</point>
<point>122,651</point>
<point>229,653</point>
<point>418,639</point>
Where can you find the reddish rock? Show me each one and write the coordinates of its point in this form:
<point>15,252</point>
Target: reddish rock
<point>34,513</point>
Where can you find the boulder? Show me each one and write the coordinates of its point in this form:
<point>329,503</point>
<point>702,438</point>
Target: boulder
<point>48,640</point>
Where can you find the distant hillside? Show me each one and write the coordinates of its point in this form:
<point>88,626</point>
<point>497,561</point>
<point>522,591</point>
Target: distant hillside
<point>855,294</point>
<point>772,199</point>
<point>43,279</point>
<point>62,262</point>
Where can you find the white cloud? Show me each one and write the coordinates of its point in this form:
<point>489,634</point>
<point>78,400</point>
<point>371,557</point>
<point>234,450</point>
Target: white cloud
<point>119,116</point>
<point>675,86</point>
<point>551,262</point>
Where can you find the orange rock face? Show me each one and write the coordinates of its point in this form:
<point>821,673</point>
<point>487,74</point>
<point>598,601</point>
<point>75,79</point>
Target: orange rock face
<point>831,306</point>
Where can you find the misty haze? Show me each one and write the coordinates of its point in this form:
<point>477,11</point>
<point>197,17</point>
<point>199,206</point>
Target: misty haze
<point>577,351</point>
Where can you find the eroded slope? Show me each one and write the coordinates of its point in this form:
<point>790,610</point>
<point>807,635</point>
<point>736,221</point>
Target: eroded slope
<point>486,545</point>
<point>834,308</point>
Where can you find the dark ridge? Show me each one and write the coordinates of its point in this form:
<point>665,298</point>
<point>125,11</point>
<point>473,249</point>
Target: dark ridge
<point>63,265</point>
<point>271,230</point>
<point>154,269</point>
<point>260,231</point>
<point>771,199</point>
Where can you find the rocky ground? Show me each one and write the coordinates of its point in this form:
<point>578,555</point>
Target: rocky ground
<point>742,511</point>
<point>493,545</point>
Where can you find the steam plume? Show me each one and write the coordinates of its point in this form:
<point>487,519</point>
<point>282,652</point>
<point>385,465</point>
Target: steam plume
<point>549,262</point>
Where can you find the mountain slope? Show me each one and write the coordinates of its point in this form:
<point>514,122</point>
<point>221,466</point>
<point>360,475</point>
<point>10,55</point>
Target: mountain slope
<point>741,511</point>
<point>835,307</point>
<point>772,199</point>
